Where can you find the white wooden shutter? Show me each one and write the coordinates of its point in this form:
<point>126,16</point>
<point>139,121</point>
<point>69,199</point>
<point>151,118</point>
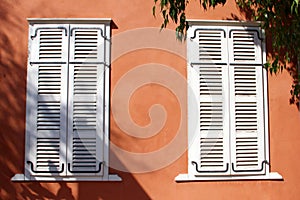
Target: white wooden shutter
<point>245,45</point>
<point>246,100</point>
<point>87,43</point>
<point>48,43</point>
<point>207,55</point>
<point>86,100</point>
<point>208,44</point>
<point>46,100</point>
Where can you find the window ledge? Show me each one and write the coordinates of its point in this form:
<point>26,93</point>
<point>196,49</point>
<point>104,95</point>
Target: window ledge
<point>189,178</point>
<point>23,178</point>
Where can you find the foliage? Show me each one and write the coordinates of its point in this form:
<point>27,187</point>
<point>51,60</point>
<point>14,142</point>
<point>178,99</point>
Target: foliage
<point>175,10</point>
<point>280,19</point>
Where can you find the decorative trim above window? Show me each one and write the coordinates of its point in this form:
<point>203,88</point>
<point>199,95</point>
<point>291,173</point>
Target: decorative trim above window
<point>227,102</point>
<point>67,107</point>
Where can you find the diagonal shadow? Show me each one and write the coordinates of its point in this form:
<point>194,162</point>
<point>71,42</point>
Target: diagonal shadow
<point>13,66</point>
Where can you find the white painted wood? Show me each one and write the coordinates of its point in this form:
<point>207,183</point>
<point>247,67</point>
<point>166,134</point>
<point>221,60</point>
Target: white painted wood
<point>244,45</point>
<point>223,23</point>
<point>86,121</point>
<point>105,21</point>
<point>87,42</point>
<point>49,42</point>
<point>68,100</point>
<point>106,123</point>
<point>46,101</point>
<point>244,99</point>
<point>209,145</point>
<point>266,99</point>
<point>189,177</point>
<point>85,144</point>
<point>22,178</point>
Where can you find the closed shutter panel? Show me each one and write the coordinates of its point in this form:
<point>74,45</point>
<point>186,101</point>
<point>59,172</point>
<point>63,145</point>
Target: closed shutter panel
<point>245,46</point>
<point>47,100</point>
<point>246,98</point>
<point>86,101</point>
<point>87,43</point>
<point>210,64</point>
<point>49,43</point>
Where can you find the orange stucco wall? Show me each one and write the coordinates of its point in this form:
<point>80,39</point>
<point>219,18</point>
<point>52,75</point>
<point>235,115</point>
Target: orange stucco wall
<point>157,184</point>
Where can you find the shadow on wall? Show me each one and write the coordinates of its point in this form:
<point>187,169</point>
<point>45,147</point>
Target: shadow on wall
<point>13,66</point>
<point>290,30</point>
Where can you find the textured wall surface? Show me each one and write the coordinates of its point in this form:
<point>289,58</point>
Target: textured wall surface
<point>153,184</point>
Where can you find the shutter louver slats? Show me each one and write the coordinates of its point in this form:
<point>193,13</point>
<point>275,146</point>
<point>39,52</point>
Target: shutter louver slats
<point>245,46</point>
<point>85,80</point>
<point>231,104</point>
<point>87,117</point>
<point>86,43</point>
<point>248,154</point>
<point>65,132</point>
<point>46,100</point>
<point>210,80</point>
<point>210,64</point>
<point>86,121</point>
<point>49,119</point>
<point>245,80</point>
<point>211,152</point>
<point>247,151</point>
<point>84,115</point>
<point>84,154</point>
<point>86,146</point>
<point>210,44</point>
<point>49,83</point>
<point>50,44</point>
<point>247,100</point>
<point>49,111</point>
<point>213,158</point>
<point>48,116</point>
<point>211,116</point>
<point>48,154</point>
<point>246,116</point>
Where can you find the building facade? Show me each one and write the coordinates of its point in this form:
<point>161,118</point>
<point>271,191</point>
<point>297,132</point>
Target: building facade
<point>98,103</point>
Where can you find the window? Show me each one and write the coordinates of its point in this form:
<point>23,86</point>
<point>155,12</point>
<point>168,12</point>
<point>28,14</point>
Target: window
<point>67,108</point>
<point>227,102</point>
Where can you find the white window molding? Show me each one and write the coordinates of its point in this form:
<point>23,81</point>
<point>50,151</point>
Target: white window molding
<point>191,178</point>
<point>227,102</point>
<point>67,105</point>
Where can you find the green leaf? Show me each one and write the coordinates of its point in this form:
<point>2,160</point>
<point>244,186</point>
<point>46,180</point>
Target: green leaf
<point>280,19</point>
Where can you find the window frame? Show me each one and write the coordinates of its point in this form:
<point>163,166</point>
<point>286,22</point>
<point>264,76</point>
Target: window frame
<point>190,176</point>
<point>106,23</point>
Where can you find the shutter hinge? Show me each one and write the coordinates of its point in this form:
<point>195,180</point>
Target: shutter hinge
<point>91,28</point>
<point>264,163</point>
<point>210,171</point>
<point>48,171</point>
<point>57,63</point>
<point>198,63</point>
<point>84,171</point>
<point>253,30</point>
<point>59,27</point>
<point>208,29</point>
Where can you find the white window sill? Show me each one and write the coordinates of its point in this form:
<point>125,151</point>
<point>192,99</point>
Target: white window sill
<point>188,178</point>
<point>23,178</point>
